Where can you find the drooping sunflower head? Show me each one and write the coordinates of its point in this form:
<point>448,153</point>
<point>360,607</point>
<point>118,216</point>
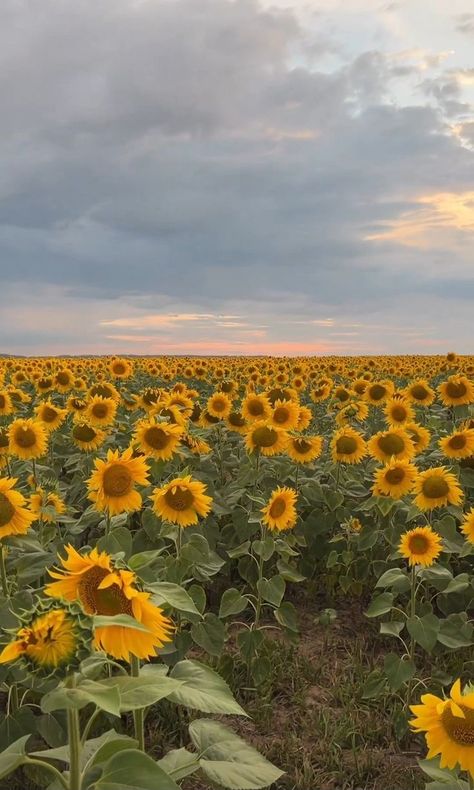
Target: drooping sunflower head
<point>47,505</point>
<point>436,487</point>
<point>53,639</point>
<point>280,512</point>
<point>236,422</point>
<point>304,419</point>
<point>182,501</point>
<point>105,590</point>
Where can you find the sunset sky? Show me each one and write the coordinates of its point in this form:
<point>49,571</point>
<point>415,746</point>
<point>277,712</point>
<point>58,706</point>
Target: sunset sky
<point>206,176</point>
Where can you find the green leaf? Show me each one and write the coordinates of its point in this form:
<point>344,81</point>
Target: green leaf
<point>272,590</point>
<point>136,693</point>
<point>13,756</point>
<point>391,577</point>
<point>249,643</point>
<point>286,616</point>
<point>424,630</point>
<point>239,551</point>
<point>174,595</point>
<point>380,605</point>
<point>229,760</point>
<point>106,698</point>
<point>392,628</point>
<point>261,670</point>
<point>133,770</point>
<point>374,685</point>
<point>203,689</point>
<point>398,670</point>
<point>232,602</point>
<point>209,634</point>
<point>179,763</point>
<point>264,548</point>
<point>93,752</point>
<point>455,632</point>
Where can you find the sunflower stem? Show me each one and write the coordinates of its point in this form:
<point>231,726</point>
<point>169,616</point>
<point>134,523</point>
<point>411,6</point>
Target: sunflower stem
<point>3,571</point>
<point>35,480</point>
<point>412,641</point>
<point>138,715</point>
<point>107,522</point>
<point>74,737</point>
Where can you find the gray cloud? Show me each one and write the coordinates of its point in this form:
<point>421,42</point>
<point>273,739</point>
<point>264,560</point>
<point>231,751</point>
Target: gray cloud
<point>202,153</point>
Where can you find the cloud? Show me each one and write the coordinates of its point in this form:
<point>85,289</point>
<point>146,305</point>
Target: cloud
<point>177,172</point>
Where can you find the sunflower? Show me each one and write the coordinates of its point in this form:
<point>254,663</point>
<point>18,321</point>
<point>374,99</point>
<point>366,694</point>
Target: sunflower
<point>449,727</point>
<point>63,380</point>
<point>420,546</point>
<point>356,410</point>
<point>42,502</point>
<point>436,487</point>
<point>285,414</point>
<point>348,446</point>
<point>266,438</point>
<point>55,637</point>
<point>395,479</point>
<point>304,449</point>
<point>6,404</point>
<point>256,408</point>
<point>280,512</point>
<point>102,589</point>
<point>420,393</point>
<point>100,411</point>
<point>219,405</point>
<point>15,519</point>
<point>121,368</point>
<point>86,437</point>
<point>76,405</point>
<point>111,485</point>
<point>394,443</point>
<point>196,445</point>
<point>50,415</point>
<point>181,501</point>
<point>304,418</point>
<point>467,527</point>
<point>4,442</point>
<point>398,411</point>
<point>158,440</point>
<point>378,392</point>
<point>459,444</point>
<point>419,435</point>
<point>321,393</point>
<point>27,438</point>
<point>236,422</point>
<point>456,391</point>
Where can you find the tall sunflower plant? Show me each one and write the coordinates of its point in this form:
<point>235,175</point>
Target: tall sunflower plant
<point>77,663</point>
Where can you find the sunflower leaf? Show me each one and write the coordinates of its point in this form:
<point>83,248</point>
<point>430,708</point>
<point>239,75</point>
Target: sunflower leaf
<point>203,689</point>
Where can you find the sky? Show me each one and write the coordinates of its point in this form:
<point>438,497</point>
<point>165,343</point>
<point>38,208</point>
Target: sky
<point>236,177</point>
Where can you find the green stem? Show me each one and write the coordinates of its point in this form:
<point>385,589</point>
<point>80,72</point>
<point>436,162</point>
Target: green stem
<point>74,737</point>
<point>48,767</point>
<point>412,641</point>
<point>3,571</point>
<point>138,715</point>
<point>338,472</point>
<point>107,521</point>
<point>260,577</point>
<point>35,480</point>
<point>89,724</point>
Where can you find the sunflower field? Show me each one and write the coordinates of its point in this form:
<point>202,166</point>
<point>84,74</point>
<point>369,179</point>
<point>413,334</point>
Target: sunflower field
<point>237,572</point>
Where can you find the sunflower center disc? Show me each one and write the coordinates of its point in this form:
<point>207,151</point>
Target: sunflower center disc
<point>2,401</point>
<point>100,410</point>
<point>277,508</point>
<point>84,433</point>
<point>391,444</point>
<point>156,437</point>
<point>236,419</point>
<point>179,499</point>
<point>395,476</point>
<point>455,390</point>
<point>461,731</point>
<point>219,405</point>
<point>264,437</point>
<point>419,392</point>
<point>377,392</point>
<point>107,602</point>
<point>301,446</point>
<point>281,415</point>
<point>48,414</point>
<point>117,480</point>
<point>7,510</point>
<point>435,487</point>
<point>25,437</point>
<point>457,442</point>
<point>255,408</point>
<point>346,445</point>
<point>418,544</point>
<point>399,413</point>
